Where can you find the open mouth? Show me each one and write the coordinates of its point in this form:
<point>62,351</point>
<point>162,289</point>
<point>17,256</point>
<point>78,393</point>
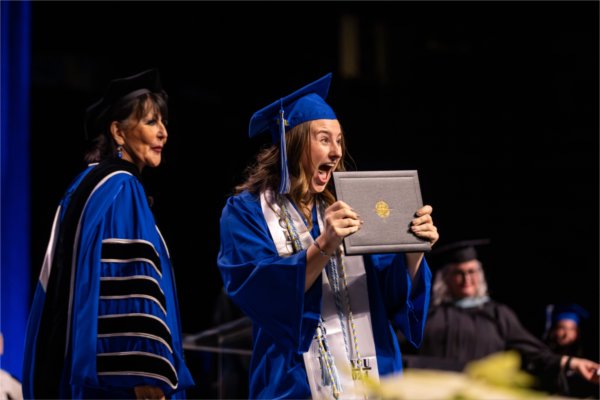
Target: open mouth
<point>324,171</point>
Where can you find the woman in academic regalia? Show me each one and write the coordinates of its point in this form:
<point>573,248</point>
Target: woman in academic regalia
<point>464,324</point>
<point>105,320</point>
<point>321,321</point>
<point>564,328</point>
<point>564,336</point>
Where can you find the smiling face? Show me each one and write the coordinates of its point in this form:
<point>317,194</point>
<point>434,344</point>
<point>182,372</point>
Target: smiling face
<point>565,332</point>
<point>142,140</point>
<point>463,279</point>
<point>325,153</point>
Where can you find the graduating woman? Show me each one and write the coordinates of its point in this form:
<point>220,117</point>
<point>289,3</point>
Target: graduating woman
<point>105,320</point>
<point>322,321</point>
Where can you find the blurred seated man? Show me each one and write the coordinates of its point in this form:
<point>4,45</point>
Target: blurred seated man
<point>465,324</point>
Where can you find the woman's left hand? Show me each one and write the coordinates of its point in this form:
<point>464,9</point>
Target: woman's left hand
<point>423,226</point>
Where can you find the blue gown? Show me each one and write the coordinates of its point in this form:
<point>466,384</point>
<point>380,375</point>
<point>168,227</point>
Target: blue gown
<point>105,316</point>
<point>270,290</point>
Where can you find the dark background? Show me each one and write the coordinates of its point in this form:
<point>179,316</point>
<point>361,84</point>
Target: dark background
<point>494,103</point>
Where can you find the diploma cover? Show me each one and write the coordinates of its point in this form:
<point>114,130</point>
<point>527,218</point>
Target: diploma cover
<point>386,201</point>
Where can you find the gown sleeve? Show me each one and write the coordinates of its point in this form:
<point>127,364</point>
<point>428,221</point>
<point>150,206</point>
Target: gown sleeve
<point>126,322</point>
<point>267,287</point>
<point>406,300</point>
<point>537,357</point>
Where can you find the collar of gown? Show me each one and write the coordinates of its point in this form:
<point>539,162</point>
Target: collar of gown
<point>470,302</point>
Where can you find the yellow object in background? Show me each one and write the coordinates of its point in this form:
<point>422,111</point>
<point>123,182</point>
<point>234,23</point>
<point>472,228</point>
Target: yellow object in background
<point>497,377</point>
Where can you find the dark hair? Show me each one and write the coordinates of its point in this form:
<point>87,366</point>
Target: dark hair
<point>264,174</point>
<point>103,146</point>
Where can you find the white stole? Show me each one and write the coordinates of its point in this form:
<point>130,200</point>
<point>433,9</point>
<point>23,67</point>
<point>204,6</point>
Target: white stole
<point>359,304</point>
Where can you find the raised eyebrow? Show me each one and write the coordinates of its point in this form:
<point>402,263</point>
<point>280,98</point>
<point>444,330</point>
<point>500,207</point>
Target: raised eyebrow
<point>330,133</point>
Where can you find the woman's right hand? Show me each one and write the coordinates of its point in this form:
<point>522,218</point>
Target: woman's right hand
<point>586,368</point>
<point>340,221</point>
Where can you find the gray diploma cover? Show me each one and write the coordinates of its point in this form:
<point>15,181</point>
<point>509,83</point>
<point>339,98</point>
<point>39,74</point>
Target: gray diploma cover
<point>386,201</point>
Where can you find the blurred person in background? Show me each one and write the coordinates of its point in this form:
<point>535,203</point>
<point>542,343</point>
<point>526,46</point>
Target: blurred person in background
<point>464,324</point>
<point>564,336</point>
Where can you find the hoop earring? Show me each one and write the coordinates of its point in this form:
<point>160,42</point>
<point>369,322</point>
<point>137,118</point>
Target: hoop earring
<point>120,151</point>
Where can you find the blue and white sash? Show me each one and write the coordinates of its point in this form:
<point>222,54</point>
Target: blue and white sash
<point>336,323</point>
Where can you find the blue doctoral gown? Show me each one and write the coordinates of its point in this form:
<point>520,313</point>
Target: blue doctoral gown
<point>270,290</point>
<point>105,316</point>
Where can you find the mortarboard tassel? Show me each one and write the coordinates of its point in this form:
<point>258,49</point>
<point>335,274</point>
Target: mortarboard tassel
<point>284,183</point>
<point>548,324</point>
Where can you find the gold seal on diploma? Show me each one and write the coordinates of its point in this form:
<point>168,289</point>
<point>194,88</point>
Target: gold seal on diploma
<point>382,209</point>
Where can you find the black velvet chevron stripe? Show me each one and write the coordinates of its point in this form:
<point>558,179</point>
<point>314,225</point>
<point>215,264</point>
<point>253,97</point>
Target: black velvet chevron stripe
<point>134,323</point>
<point>124,363</point>
<point>132,287</point>
<point>130,250</point>
<point>55,322</point>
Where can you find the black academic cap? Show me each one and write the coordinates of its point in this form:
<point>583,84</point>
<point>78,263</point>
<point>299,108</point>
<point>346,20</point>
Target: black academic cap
<point>118,90</point>
<point>457,252</point>
<point>571,311</point>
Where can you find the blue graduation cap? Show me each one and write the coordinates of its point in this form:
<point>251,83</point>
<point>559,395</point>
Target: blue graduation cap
<point>305,104</point>
<point>571,311</point>
<point>119,90</point>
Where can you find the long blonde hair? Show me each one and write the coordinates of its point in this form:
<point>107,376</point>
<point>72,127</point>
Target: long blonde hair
<point>264,173</point>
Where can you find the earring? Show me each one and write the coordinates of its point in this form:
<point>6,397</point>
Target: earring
<point>120,151</point>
